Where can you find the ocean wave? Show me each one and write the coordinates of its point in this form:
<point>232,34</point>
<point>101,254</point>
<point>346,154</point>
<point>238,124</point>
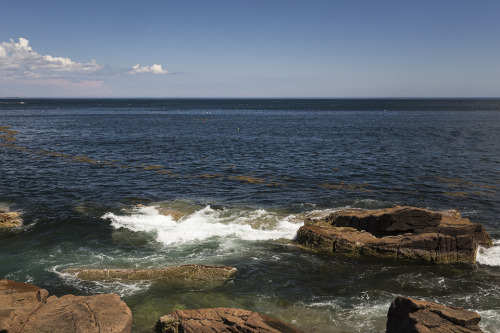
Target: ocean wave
<point>207,223</point>
<point>489,256</point>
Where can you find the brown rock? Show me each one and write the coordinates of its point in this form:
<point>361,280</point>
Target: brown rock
<point>221,320</point>
<point>10,220</point>
<point>184,273</point>
<point>411,315</point>
<point>17,302</point>
<point>399,232</point>
<point>97,313</point>
<point>175,214</point>
<point>25,308</point>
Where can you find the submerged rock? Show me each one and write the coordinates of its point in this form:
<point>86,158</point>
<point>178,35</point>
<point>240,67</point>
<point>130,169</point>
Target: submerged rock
<point>9,220</point>
<point>175,214</point>
<point>411,315</point>
<point>25,308</point>
<point>398,232</point>
<point>218,320</point>
<point>184,273</point>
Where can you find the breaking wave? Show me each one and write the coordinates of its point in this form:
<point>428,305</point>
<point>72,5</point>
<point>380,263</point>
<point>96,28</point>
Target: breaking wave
<point>206,223</point>
<point>489,256</point>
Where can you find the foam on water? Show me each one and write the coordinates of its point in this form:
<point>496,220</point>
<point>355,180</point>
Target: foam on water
<point>364,316</point>
<point>122,288</point>
<point>490,256</point>
<point>206,223</point>
<point>490,321</point>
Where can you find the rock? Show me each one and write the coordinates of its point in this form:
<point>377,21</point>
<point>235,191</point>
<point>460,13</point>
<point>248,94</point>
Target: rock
<point>184,273</point>
<point>97,313</point>
<point>25,308</point>
<point>175,214</point>
<point>9,220</point>
<point>17,302</point>
<point>221,320</point>
<point>398,232</point>
<point>411,315</point>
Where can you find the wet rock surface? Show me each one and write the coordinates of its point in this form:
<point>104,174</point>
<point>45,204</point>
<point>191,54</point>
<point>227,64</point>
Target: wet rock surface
<point>398,233</point>
<point>411,315</point>
<point>182,273</point>
<point>221,320</point>
<point>26,308</point>
<point>174,213</point>
<point>9,220</point>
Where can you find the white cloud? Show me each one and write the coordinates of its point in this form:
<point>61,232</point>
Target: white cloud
<point>18,60</point>
<point>155,69</point>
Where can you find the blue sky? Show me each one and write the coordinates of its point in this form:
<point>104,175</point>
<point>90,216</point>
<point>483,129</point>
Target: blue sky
<point>271,48</point>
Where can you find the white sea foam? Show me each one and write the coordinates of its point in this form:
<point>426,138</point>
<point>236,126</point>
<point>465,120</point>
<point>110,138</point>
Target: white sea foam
<point>122,288</point>
<point>207,223</point>
<point>489,256</point>
<point>365,316</point>
<point>490,321</point>
<point>142,219</point>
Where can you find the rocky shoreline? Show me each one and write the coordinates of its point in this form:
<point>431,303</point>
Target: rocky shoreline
<point>26,308</point>
<point>402,233</point>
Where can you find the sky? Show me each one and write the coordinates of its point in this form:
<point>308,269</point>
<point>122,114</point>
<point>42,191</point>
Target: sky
<point>259,48</point>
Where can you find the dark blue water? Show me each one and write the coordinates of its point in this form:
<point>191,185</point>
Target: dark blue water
<point>245,173</point>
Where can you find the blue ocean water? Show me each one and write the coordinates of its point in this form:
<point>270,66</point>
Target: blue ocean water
<point>245,174</point>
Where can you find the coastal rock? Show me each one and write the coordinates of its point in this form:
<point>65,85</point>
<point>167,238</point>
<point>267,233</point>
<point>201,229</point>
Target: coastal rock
<point>9,220</point>
<point>25,308</point>
<point>398,232</point>
<point>416,316</point>
<point>17,302</point>
<point>221,320</point>
<point>180,273</point>
<point>97,313</point>
<point>175,214</point>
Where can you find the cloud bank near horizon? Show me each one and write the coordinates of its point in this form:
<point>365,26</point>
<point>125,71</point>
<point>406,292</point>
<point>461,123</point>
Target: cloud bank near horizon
<point>20,61</point>
<point>21,64</point>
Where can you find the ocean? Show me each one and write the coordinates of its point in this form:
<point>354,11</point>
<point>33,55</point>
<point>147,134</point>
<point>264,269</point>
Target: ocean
<point>90,176</point>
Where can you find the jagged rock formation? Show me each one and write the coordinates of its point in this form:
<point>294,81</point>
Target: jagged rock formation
<point>410,315</point>
<point>218,320</point>
<point>179,273</point>
<point>25,308</point>
<point>398,232</point>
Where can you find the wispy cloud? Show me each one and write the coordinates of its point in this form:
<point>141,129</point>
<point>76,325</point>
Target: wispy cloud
<point>19,61</point>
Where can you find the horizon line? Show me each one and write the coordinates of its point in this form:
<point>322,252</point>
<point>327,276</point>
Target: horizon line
<point>256,98</point>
